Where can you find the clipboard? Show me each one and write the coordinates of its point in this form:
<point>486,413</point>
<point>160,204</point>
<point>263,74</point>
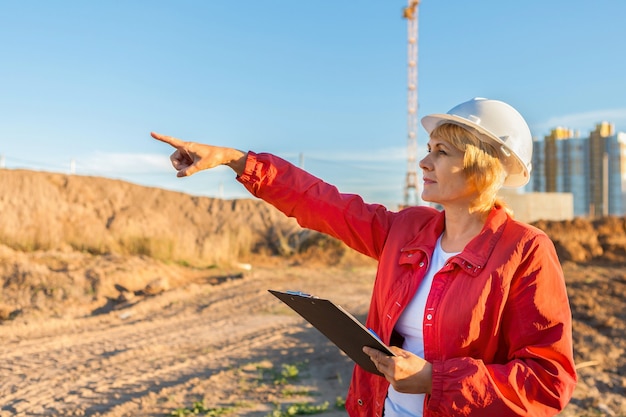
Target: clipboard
<point>338,325</point>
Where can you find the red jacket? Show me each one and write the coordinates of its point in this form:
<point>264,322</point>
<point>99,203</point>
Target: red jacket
<point>497,324</point>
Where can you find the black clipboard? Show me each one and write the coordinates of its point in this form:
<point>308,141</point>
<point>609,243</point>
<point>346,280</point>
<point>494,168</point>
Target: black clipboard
<point>338,325</point>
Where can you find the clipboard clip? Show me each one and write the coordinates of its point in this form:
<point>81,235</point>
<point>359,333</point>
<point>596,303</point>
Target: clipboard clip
<point>375,334</point>
<point>300,294</point>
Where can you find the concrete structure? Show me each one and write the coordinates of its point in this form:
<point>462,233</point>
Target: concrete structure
<point>530,207</point>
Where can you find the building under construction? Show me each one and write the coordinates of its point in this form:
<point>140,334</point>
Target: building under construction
<point>592,168</point>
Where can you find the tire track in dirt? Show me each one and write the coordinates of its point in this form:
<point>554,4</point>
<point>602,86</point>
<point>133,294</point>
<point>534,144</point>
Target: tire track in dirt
<point>134,369</point>
<point>122,363</point>
<point>105,361</point>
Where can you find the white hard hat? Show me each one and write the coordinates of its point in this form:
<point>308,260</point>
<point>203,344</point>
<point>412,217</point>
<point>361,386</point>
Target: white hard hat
<point>502,125</point>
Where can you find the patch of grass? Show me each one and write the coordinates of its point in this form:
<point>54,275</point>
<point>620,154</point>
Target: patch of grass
<point>154,247</point>
<point>285,379</point>
<point>340,403</point>
<point>298,409</point>
<point>293,392</point>
<point>287,373</point>
<point>199,409</point>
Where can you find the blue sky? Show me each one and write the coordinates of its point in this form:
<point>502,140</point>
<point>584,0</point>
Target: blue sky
<point>86,81</point>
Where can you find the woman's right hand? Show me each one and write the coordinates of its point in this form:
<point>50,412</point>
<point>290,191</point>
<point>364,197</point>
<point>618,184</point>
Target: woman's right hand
<point>191,157</point>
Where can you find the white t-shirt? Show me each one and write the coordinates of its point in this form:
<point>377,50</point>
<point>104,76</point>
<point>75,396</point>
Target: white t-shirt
<point>409,325</point>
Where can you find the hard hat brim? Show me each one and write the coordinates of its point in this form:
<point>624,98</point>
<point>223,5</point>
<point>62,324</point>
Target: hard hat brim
<point>518,174</point>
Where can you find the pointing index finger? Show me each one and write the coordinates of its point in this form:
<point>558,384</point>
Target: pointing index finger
<point>175,142</point>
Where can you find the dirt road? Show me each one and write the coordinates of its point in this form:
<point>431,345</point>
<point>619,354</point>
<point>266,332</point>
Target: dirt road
<point>233,349</point>
<point>223,345</point>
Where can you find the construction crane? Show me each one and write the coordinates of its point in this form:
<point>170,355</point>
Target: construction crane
<point>411,195</point>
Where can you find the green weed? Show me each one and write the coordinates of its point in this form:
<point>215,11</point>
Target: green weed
<point>198,408</point>
<point>287,373</point>
<point>340,403</point>
<point>292,392</point>
<point>299,409</point>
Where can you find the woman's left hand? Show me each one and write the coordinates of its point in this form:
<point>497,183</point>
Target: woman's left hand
<point>406,372</point>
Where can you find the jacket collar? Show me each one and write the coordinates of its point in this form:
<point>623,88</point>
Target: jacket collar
<point>475,255</point>
<point>479,250</point>
<point>426,238</point>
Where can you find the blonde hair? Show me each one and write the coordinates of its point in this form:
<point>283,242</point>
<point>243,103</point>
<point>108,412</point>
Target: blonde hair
<point>481,164</point>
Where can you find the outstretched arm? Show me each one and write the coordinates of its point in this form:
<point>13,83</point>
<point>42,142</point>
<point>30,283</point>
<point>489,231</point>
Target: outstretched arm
<point>191,157</point>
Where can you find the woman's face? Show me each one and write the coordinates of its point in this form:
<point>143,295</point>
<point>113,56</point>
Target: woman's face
<point>445,181</point>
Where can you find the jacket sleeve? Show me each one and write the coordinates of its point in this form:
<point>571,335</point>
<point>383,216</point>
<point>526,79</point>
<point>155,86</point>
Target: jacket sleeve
<point>317,205</point>
<point>536,376</point>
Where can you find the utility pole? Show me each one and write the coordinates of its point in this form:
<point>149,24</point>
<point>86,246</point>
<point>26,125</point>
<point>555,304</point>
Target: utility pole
<point>411,195</point>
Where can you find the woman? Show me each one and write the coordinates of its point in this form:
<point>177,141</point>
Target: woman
<point>473,302</point>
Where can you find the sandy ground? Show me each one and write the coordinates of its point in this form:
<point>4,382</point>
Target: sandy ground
<point>225,345</point>
<point>230,348</point>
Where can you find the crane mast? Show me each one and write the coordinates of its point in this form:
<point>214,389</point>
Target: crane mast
<point>411,196</point>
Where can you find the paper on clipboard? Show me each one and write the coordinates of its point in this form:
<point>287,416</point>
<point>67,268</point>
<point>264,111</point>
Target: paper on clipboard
<point>338,325</point>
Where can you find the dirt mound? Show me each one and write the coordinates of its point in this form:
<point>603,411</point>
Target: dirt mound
<point>66,241</point>
<point>45,211</point>
<point>584,240</point>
